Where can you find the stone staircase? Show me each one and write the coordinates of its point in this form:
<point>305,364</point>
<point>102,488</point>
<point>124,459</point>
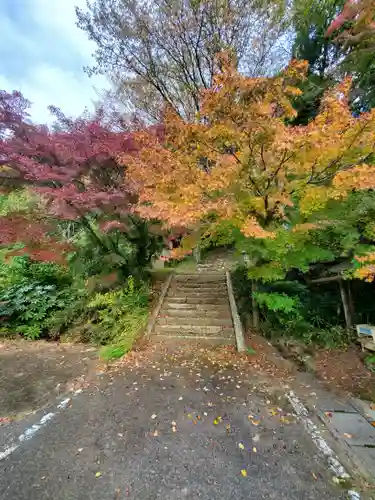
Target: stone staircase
<point>196,307</point>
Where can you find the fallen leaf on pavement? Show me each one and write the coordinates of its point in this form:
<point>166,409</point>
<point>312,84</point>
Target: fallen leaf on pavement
<point>337,480</point>
<point>284,420</point>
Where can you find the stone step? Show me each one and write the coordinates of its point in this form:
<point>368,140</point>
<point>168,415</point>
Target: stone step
<point>199,278</point>
<point>197,300</point>
<point>198,307</point>
<point>219,331</point>
<point>204,295</point>
<point>164,319</point>
<point>198,288</point>
<point>195,313</point>
<point>196,338</point>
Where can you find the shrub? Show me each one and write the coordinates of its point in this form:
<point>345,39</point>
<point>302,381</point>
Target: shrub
<point>116,317</point>
<point>27,306</point>
<point>291,309</point>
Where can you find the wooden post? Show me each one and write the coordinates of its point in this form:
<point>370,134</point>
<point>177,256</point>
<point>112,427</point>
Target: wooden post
<point>197,253</point>
<point>255,308</point>
<point>351,302</point>
<point>345,303</point>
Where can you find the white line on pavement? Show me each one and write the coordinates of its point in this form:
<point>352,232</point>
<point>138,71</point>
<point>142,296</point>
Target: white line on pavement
<point>31,431</point>
<point>303,414</point>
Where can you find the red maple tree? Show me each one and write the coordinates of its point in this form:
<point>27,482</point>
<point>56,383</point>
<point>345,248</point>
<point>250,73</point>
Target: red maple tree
<point>73,169</point>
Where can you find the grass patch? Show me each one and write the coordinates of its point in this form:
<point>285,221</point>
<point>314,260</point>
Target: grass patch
<point>250,351</point>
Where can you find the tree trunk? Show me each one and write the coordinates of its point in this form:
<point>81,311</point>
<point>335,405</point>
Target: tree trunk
<point>255,309</point>
<point>345,303</point>
<point>351,302</point>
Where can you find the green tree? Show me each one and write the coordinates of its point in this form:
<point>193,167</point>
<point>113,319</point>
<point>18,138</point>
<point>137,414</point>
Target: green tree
<point>311,20</point>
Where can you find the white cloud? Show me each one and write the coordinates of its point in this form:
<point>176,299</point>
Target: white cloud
<point>48,59</point>
<point>59,17</point>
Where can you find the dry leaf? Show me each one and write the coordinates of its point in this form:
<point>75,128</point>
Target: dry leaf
<point>244,472</point>
<point>284,420</point>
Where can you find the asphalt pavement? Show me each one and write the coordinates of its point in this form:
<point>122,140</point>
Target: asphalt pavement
<point>167,425</point>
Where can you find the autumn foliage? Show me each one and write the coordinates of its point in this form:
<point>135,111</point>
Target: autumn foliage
<point>72,170</point>
<point>355,24</point>
<point>241,160</point>
<point>240,163</point>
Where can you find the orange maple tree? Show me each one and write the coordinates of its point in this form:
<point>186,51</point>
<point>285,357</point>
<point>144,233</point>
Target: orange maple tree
<point>242,161</point>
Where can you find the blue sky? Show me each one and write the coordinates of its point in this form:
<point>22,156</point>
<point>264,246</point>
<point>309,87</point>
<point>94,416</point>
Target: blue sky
<point>42,53</point>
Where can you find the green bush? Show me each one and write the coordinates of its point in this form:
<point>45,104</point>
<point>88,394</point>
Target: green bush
<point>47,300</point>
<point>26,306</point>
<point>308,314</point>
<point>15,269</point>
<point>116,317</point>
